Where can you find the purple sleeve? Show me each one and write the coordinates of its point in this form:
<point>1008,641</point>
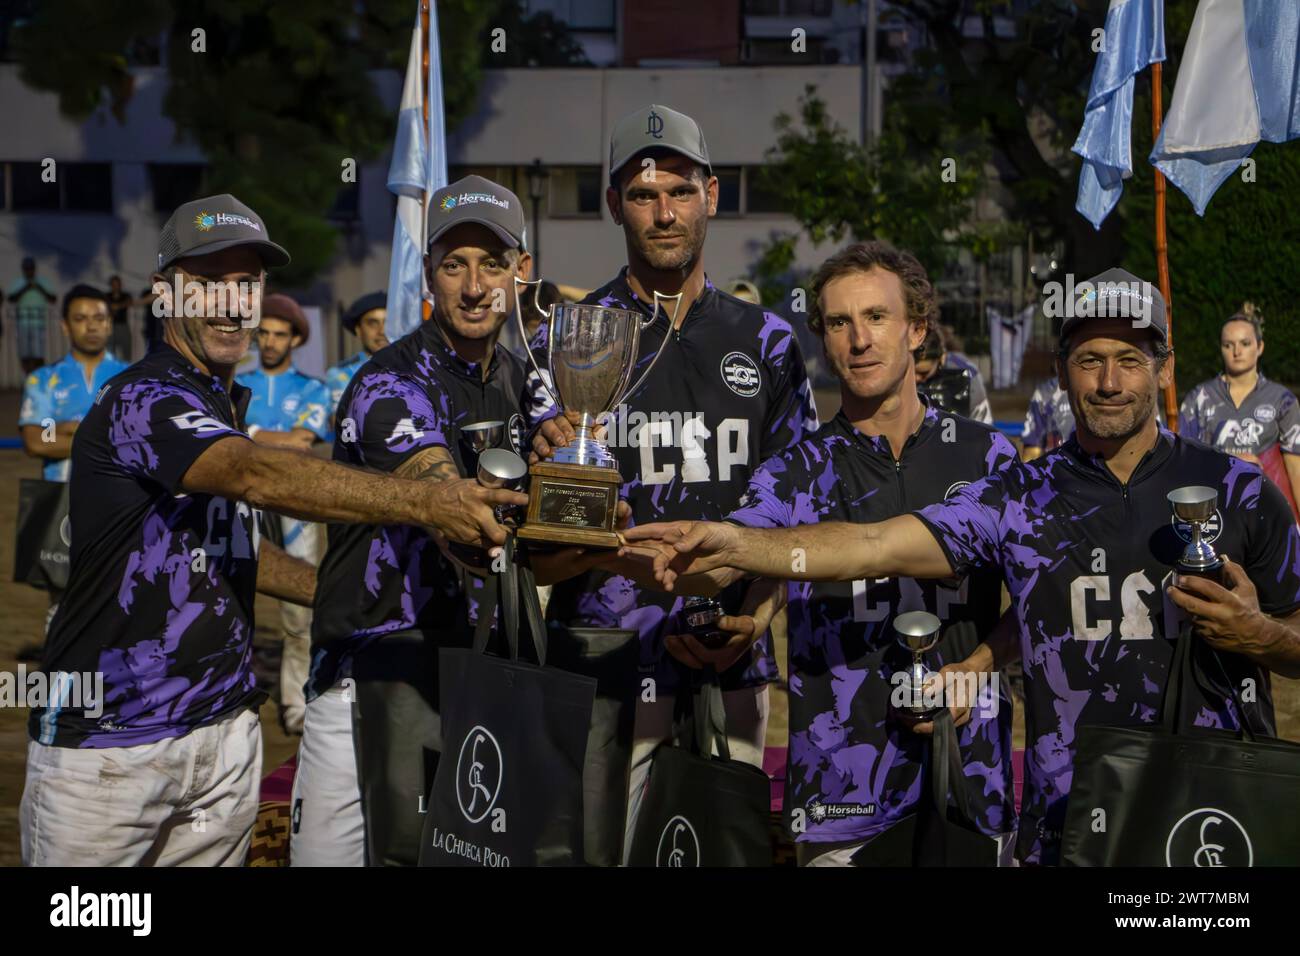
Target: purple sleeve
<point>1272,558</point>
<point>968,525</point>
<point>1288,424</point>
<point>1189,425</point>
<point>157,430</point>
<point>1001,452</point>
<point>793,415</point>
<point>394,417</point>
<point>766,502</point>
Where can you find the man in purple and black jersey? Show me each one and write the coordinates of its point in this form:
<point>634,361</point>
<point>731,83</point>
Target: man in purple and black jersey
<point>1087,544</point>
<point>854,769</point>
<point>149,750</point>
<point>729,391</point>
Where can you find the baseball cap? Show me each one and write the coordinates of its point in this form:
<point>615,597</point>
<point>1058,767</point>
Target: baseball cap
<point>277,305</point>
<point>475,199</point>
<point>656,126</point>
<point>212,224</point>
<point>369,301</point>
<point>1116,293</point>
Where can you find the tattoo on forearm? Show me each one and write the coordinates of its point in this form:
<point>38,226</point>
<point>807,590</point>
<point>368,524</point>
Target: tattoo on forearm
<point>432,464</point>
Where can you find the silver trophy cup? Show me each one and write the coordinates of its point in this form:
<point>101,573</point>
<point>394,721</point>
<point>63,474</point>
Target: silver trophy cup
<point>918,631</point>
<point>591,356</point>
<point>1195,506</point>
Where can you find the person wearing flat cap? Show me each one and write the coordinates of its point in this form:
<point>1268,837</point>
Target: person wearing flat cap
<point>365,319</point>
<point>150,752</point>
<point>290,409</point>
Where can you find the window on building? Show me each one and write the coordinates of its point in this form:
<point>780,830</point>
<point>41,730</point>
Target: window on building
<point>788,8</point>
<point>173,184</point>
<point>759,200</point>
<point>347,202</point>
<point>76,187</point>
<point>728,190</point>
<point>573,191</point>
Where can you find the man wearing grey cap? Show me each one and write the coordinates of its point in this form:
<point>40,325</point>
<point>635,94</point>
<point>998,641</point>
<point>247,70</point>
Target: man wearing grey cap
<point>389,596</point>
<point>1085,540</point>
<point>148,749</point>
<point>728,393</point>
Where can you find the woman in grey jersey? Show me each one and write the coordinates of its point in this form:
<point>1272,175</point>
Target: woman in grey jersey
<point>1243,413</point>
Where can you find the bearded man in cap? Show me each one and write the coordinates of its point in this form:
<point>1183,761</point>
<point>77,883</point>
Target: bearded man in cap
<point>728,392</point>
<point>148,749</point>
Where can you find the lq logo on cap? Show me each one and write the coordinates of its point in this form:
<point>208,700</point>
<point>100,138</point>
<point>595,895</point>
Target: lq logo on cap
<point>1208,837</point>
<point>478,774</point>
<point>678,844</point>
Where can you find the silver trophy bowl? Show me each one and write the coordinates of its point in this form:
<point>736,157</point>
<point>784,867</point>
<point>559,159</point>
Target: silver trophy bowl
<point>1196,505</point>
<point>500,468</point>
<point>918,631</point>
<point>480,436</point>
<point>591,355</point>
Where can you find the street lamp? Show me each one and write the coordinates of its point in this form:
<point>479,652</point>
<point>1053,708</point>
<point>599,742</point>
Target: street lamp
<point>536,189</point>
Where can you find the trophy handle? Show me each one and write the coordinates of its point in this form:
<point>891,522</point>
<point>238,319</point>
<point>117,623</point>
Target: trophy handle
<point>672,322</point>
<point>523,334</point>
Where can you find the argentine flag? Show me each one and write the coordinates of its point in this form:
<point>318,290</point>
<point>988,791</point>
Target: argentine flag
<point>418,167</point>
<point>1134,39</point>
<point>1237,85</point>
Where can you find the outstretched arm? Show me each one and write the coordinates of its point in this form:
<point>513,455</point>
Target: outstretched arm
<point>832,551</point>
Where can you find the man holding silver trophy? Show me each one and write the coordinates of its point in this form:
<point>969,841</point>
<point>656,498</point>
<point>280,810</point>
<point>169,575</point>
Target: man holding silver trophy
<point>1097,561</point>
<point>723,387</point>
<point>432,406</point>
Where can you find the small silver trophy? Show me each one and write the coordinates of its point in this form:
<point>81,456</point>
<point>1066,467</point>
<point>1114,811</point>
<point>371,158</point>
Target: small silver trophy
<point>918,631</point>
<point>1195,506</point>
<point>480,436</point>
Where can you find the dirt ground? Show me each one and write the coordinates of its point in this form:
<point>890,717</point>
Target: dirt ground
<point>22,615</point>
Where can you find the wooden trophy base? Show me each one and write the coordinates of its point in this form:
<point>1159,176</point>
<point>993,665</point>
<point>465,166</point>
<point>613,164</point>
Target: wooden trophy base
<point>571,505</point>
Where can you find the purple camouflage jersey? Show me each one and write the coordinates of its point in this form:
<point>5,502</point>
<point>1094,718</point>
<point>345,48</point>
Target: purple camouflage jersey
<point>853,768</point>
<point>1268,416</point>
<point>381,579</point>
<point>161,584</point>
<point>1087,560</point>
<point>1049,420</point>
<point>730,391</point>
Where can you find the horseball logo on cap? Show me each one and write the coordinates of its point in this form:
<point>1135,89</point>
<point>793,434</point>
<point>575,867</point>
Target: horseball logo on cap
<point>479,770</point>
<point>1209,837</point>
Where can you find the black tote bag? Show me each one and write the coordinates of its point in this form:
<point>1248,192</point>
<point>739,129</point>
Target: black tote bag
<point>701,810</point>
<point>1173,795</point>
<point>42,541</point>
<point>508,789</point>
<point>942,832</point>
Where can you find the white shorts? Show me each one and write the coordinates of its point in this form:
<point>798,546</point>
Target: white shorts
<point>328,828</point>
<point>746,711</point>
<point>188,800</point>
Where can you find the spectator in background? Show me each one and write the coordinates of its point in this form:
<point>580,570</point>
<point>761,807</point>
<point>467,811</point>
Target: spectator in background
<point>1244,414</point>
<point>939,350</point>
<point>288,409</point>
<point>31,297</point>
<point>119,305</point>
<point>365,319</point>
<point>1049,421</point>
<point>745,290</point>
<point>58,396</point>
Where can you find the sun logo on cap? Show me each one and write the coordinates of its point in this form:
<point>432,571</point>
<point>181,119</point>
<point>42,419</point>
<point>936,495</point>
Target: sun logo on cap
<point>448,202</point>
<point>205,221</point>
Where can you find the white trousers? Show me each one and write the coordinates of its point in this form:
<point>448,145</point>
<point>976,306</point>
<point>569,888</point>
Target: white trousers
<point>188,800</point>
<point>328,828</point>
<point>746,712</point>
<point>300,541</point>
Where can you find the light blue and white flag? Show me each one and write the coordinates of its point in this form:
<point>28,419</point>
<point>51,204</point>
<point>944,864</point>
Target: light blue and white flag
<point>1237,85</point>
<point>1134,38</point>
<point>418,167</point>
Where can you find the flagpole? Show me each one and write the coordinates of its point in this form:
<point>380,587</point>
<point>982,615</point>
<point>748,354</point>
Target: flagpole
<point>1162,238</point>
<point>426,306</point>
